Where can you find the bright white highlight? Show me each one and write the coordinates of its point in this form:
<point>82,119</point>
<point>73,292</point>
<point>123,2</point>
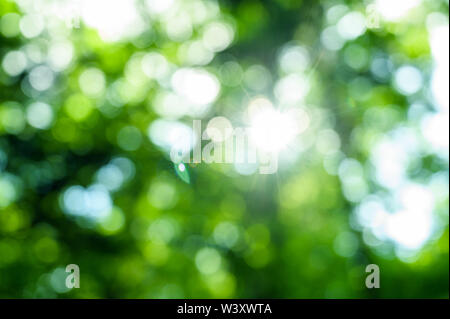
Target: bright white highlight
<point>332,39</point>
<point>217,36</point>
<point>219,129</point>
<point>114,20</point>
<point>93,202</point>
<point>14,63</point>
<point>92,82</point>
<point>410,226</point>
<point>31,25</point>
<point>435,129</point>
<point>41,78</point>
<point>155,66</point>
<point>408,80</point>
<point>353,181</point>
<point>171,135</point>
<point>352,25</point>
<point>294,59</point>
<point>439,42</point>
<point>39,115</point>
<point>291,89</point>
<point>395,10</point>
<point>196,85</point>
<point>272,131</point>
<point>60,55</point>
<point>158,6</point>
<point>170,105</point>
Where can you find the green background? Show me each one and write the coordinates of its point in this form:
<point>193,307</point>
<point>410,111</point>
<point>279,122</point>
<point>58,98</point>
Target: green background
<point>209,232</point>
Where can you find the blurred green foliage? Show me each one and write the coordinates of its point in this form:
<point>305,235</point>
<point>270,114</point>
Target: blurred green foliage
<point>82,180</point>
